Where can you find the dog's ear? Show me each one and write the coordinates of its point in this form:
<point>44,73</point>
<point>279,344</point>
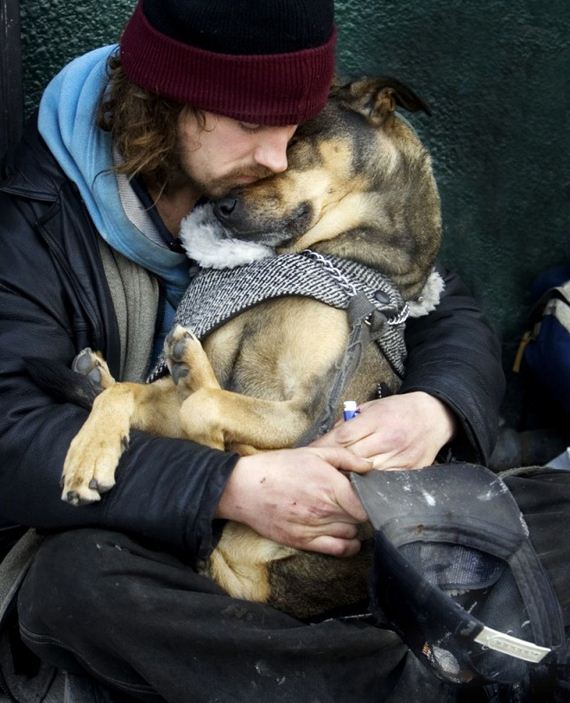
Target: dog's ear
<point>377,98</point>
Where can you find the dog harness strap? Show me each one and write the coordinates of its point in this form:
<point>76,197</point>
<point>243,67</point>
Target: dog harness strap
<point>215,296</point>
<point>360,312</point>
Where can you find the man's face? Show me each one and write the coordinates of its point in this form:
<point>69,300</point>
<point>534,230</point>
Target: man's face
<point>226,153</point>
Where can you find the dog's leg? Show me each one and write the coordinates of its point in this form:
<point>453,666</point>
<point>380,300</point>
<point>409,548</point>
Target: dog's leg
<point>304,584</point>
<point>190,370</point>
<point>222,419</point>
<point>240,562</point>
<point>187,362</point>
<point>218,418</point>
<point>92,365</point>
<point>93,455</point>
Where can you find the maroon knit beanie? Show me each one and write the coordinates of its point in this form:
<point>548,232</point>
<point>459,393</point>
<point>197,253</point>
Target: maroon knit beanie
<point>261,61</point>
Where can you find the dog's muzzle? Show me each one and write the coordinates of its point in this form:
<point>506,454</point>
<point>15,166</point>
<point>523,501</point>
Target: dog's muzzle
<point>229,212</point>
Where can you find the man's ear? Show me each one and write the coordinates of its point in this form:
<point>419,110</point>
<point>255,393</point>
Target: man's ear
<point>377,98</point>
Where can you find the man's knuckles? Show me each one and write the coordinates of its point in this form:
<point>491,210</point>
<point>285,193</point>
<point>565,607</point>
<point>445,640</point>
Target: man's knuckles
<point>335,547</point>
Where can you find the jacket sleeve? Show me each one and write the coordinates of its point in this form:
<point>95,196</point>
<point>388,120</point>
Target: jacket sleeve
<point>166,489</point>
<point>455,356</point>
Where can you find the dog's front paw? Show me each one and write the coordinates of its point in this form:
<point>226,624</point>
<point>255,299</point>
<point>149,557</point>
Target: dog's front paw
<point>90,465</point>
<point>92,365</point>
<point>89,472</point>
<point>187,361</point>
<point>93,455</point>
<point>175,350</point>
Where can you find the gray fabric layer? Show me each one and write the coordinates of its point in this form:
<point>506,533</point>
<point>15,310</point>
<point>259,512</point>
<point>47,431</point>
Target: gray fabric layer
<point>135,295</point>
<point>215,296</point>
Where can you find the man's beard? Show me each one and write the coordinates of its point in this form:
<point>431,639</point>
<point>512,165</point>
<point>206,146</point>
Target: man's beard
<point>220,187</point>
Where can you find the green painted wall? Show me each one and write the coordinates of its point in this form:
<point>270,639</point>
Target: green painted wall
<point>497,77</point>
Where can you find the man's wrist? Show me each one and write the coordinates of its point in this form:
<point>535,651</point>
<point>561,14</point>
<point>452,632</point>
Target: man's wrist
<point>441,418</point>
<point>230,506</point>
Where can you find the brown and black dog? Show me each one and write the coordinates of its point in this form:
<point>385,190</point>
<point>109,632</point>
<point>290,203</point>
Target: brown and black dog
<point>359,186</point>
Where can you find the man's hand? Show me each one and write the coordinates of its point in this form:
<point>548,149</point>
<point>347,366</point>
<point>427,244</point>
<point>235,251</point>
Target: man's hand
<point>299,498</point>
<point>399,432</point>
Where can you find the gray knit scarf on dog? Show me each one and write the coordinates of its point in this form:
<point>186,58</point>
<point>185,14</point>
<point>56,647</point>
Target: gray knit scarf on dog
<point>216,295</point>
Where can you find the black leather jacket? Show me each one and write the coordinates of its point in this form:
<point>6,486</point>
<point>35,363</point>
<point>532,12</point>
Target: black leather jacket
<point>54,301</point>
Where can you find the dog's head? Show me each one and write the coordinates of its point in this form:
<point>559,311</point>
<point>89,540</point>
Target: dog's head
<point>359,184</point>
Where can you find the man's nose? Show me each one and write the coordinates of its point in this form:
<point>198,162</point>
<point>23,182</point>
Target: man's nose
<point>271,152</point>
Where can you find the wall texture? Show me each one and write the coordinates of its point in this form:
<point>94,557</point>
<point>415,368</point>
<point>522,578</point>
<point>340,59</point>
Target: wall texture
<point>496,74</point>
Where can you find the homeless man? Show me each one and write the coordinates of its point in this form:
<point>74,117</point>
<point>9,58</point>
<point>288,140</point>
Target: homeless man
<point>198,98</point>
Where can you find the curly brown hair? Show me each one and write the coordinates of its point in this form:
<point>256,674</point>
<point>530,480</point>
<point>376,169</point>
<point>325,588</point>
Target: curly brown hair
<point>144,129</point>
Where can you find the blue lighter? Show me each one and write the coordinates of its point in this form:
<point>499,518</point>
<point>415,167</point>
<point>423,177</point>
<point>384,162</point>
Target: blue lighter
<point>350,409</point>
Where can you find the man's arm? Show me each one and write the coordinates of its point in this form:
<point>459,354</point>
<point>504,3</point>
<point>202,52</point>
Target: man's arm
<point>166,490</point>
<point>451,393</point>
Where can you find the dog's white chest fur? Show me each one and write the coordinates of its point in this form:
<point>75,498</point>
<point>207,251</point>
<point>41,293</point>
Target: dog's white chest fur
<point>211,246</point>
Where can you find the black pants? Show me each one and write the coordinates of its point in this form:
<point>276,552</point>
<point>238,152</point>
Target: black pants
<point>144,623</point>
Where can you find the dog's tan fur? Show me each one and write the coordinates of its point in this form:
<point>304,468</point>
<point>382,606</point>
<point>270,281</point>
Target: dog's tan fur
<point>359,185</point>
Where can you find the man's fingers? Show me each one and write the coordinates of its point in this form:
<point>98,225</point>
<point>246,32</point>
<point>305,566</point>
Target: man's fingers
<point>342,458</point>
<point>343,530</point>
<point>368,447</point>
<point>326,544</point>
<point>346,460</point>
<point>350,503</point>
<point>382,461</point>
<point>346,433</point>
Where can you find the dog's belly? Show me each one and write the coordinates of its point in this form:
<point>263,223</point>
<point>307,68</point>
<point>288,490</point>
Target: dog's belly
<point>290,349</point>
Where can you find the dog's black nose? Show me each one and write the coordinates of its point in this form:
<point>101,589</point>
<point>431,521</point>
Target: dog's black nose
<point>224,208</point>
